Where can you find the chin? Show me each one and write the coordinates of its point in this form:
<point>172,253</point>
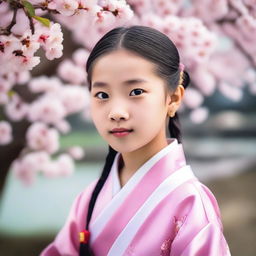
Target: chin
<point>126,148</point>
<point>122,148</point>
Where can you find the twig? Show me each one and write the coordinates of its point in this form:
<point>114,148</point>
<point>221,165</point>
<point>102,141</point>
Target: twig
<point>237,44</point>
<point>7,31</point>
<point>45,8</point>
<point>32,27</point>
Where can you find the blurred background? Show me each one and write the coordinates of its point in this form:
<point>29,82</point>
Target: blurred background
<point>218,119</point>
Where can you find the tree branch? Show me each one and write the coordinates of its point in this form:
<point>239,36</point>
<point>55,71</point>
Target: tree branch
<point>7,31</point>
<point>237,44</point>
<point>32,27</point>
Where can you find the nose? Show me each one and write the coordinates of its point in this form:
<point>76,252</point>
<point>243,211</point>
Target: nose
<point>118,114</point>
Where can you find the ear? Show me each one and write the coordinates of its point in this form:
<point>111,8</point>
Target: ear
<point>174,100</point>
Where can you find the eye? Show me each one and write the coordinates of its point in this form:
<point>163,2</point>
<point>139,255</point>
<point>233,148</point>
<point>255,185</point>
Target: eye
<point>137,92</point>
<point>101,95</point>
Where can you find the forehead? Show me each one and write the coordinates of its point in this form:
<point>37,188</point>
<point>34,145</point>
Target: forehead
<point>121,65</point>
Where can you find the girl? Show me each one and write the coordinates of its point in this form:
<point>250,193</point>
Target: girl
<point>147,201</point>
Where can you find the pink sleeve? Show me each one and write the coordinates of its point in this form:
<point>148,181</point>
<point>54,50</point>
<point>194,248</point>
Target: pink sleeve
<point>208,241</point>
<point>66,242</point>
<point>199,228</point>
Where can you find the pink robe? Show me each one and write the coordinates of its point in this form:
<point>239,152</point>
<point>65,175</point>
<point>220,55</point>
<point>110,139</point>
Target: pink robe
<point>162,210</point>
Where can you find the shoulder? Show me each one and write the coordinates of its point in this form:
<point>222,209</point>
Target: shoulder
<point>195,198</point>
<point>82,199</point>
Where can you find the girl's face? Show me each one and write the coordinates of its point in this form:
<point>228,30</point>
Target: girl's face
<point>126,93</point>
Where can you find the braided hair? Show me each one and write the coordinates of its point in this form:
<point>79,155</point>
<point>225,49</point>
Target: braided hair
<point>154,46</point>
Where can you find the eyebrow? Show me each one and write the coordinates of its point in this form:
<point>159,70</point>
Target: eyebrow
<point>127,82</point>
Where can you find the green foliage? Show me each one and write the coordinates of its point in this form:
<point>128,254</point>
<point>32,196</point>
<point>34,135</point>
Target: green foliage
<point>29,8</point>
<point>44,21</point>
<point>31,12</point>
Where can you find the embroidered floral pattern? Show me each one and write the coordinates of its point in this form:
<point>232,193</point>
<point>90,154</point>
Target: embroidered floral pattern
<point>178,223</point>
<point>166,245</point>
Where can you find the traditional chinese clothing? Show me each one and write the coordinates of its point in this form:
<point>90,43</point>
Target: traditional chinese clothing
<point>162,210</point>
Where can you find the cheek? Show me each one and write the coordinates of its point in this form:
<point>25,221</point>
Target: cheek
<point>153,116</point>
<point>96,115</point>
<point>154,109</point>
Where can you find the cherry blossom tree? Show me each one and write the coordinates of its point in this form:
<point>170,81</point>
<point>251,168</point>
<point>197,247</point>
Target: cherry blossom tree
<point>38,106</point>
<point>215,39</point>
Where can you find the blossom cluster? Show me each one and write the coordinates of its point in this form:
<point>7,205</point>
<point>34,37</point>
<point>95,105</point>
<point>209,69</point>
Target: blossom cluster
<point>200,42</point>
<point>87,27</point>
<point>30,32</point>
<point>19,45</point>
<point>23,31</point>
<point>47,114</point>
<point>199,36</point>
<point>27,168</point>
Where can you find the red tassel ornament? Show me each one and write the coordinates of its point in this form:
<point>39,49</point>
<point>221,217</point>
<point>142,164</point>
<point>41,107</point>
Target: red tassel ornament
<point>84,236</point>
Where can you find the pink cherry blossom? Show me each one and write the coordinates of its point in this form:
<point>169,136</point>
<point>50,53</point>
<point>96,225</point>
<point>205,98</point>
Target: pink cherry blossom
<point>199,115</point>
<point>76,152</point>
<point>41,137</point>
<point>122,9</point>
<point>48,109</point>
<point>51,169</point>
<point>22,23</point>
<point>4,8</point>
<point>66,165</point>
<point>80,57</point>
<point>74,99</point>
<point>66,7</point>
<point>6,14</point>
<point>28,166</point>
<point>45,84</point>
<point>54,51</point>
<point>63,126</point>
<point>5,85</point>
<point>62,166</point>
<point>16,109</point>
<point>167,7</point>
<point>219,9</point>
<point>5,133</point>
<point>23,77</point>
<point>190,35</point>
<point>3,98</point>
<point>193,98</point>
<point>235,94</point>
<point>24,171</point>
<point>204,80</point>
<point>141,7</point>
<point>50,39</point>
<point>71,72</point>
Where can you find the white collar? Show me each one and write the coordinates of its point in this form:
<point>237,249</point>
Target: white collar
<point>172,143</point>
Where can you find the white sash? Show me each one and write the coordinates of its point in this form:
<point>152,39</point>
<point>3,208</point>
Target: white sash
<point>165,188</point>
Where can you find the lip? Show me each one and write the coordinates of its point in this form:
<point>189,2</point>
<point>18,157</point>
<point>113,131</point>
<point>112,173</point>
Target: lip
<point>121,129</point>
<point>121,132</point>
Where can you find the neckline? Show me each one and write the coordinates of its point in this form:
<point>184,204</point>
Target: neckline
<point>120,162</point>
<point>172,143</point>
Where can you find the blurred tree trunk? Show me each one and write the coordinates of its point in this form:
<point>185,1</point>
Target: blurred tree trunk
<point>10,152</point>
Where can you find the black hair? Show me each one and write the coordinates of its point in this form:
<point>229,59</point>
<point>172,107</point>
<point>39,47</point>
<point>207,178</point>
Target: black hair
<point>154,46</point>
